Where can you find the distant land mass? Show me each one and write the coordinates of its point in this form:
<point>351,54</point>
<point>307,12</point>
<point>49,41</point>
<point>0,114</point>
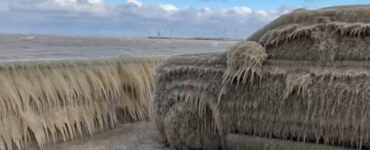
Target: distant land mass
<point>196,38</point>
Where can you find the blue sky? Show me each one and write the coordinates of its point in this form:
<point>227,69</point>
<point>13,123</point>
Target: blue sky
<point>254,4</point>
<point>141,18</point>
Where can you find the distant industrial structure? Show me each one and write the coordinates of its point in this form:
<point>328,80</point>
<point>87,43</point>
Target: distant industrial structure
<point>166,34</point>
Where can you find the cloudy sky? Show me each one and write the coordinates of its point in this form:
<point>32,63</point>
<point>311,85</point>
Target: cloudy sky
<point>141,18</point>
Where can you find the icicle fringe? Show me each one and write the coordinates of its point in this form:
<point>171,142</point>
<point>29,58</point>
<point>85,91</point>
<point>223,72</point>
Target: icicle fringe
<point>45,102</point>
<point>244,62</point>
<point>294,32</point>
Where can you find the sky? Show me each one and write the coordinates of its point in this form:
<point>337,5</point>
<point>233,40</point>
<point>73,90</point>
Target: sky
<point>142,18</point>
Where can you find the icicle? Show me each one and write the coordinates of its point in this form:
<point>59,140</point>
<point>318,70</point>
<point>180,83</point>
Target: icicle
<point>65,98</point>
<point>244,61</point>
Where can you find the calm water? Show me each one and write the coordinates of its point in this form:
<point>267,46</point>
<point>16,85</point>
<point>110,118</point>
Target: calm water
<point>25,48</point>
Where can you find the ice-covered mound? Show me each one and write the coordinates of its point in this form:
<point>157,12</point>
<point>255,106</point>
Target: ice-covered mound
<point>304,79</point>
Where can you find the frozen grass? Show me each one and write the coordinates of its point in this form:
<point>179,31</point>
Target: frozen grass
<point>44,102</point>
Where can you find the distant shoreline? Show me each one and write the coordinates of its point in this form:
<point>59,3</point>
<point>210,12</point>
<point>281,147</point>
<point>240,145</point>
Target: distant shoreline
<point>120,37</point>
<point>195,38</point>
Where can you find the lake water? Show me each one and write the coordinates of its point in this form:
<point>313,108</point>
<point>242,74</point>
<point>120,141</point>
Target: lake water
<point>37,47</point>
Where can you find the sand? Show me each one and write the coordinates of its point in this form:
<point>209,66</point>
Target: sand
<point>132,136</point>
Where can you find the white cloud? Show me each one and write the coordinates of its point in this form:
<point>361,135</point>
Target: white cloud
<point>262,13</point>
<point>133,18</point>
<point>66,2</point>
<point>95,2</point>
<point>96,7</point>
<point>3,6</point>
<point>242,10</point>
<point>168,7</point>
<point>135,2</point>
